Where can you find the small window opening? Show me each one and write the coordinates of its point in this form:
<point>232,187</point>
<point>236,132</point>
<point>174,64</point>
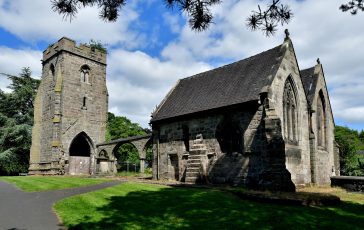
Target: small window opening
<point>186,137</point>
<point>52,71</point>
<point>84,102</point>
<point>85,74</point>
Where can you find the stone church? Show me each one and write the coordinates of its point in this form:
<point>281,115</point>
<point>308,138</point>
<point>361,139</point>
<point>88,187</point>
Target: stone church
<point>70,111</point>
<point>260,122</point>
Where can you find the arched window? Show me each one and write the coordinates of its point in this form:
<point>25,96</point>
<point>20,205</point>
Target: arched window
<point>290,117</point>
<point>321,120</point>
<point>85,74</point>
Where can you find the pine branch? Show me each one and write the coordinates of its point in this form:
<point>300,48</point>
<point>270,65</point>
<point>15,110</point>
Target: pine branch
<point>268,20</point>
<point>353,6</point>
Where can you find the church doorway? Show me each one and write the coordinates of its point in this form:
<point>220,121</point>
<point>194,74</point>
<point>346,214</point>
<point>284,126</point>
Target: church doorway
<point>80,155</point>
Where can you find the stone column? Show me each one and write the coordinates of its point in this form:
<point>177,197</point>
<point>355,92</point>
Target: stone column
<point>142,163</point>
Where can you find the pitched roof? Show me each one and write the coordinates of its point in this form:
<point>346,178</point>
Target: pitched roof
<point>309,81</point>
<point>236,83</point>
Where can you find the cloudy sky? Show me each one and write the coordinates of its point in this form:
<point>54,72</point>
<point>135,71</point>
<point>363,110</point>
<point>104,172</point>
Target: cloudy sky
<point>151,47</point>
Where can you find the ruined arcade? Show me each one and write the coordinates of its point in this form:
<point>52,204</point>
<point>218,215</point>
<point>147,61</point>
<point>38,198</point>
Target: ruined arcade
<point>70,110</point>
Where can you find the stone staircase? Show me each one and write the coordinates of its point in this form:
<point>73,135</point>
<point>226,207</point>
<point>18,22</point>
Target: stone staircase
<point>196,161</point>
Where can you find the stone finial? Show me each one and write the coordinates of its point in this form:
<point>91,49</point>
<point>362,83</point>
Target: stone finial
<point>287,34</point>
<point>318,61</point>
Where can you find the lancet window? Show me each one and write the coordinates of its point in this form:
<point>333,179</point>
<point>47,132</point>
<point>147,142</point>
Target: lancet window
<point>290,114</point>
<point>85,74</point>
<point>321,120</point>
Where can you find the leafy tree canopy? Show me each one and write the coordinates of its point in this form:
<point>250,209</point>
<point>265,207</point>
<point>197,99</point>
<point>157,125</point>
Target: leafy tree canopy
<point>16,120</point>
<point>351,162</point>
<point>98,46</point>
<point>122,127</point>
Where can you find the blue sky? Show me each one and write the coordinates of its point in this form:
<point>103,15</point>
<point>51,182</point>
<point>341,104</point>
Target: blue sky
<point>151,47</point>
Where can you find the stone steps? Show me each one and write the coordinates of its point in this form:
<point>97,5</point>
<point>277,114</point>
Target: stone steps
<point>191,161</point>
<point>191,180</point>
<point>197,151</point>
<point>193,170</point>
<point>192,174</point>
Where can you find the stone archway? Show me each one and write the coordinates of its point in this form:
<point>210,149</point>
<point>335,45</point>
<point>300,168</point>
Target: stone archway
<point>80,153</point>
<point>127,157</point>
<point>141,143</point>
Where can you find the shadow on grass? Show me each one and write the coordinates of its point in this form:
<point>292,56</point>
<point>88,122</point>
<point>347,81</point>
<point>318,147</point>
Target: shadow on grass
<point>181,208</point>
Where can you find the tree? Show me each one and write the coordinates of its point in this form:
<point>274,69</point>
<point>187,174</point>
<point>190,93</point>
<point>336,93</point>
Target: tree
<point>121,127</point>
<point>361,136</point>
<point>353,6</point>
<point>351,163</point>
<point>16,120</point>
<point>198,11</point>
<point>98,46</point>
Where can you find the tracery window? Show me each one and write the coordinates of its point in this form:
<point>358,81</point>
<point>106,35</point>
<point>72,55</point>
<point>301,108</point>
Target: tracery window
<point>321,120</point>
<point>290,116</point>
<point>85,74</point>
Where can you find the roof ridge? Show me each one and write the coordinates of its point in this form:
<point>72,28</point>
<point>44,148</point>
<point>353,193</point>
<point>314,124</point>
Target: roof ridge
<point>233,63</point>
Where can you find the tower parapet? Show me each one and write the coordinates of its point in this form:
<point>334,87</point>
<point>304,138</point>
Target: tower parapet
<point>68,45</point>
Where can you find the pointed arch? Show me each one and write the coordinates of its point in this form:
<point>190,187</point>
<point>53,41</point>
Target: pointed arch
<point>80,154</point>
<point>81,145</point>
<point>321,120</point>
<point>290,111</point>
<point>85,73</point>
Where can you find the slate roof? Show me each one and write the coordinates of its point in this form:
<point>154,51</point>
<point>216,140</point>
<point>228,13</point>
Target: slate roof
<point>236,83</point>
<point>309,81</point>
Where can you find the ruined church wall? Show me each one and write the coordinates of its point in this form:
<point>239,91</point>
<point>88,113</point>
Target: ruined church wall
<point>297,155</point>
<point>324,159</point>
<point>235,168</point>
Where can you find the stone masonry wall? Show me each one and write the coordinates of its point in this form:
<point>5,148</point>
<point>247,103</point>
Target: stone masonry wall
<point>234,168</point>
<point>63,115</point>
<point>297,156</point>
<point>324,159</point>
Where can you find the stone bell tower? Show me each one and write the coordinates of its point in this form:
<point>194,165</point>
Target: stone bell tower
<point>70,110</point>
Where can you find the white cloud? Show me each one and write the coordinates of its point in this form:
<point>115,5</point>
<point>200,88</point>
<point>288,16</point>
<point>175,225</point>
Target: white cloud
<point>37,21</point>
<point>138,82</point>
<point>318,29</point>
<point>13,60</point>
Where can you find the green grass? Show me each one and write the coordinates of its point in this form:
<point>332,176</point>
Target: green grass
<point>133,174</point>
<point>43,183</point>
<point>146,206</point>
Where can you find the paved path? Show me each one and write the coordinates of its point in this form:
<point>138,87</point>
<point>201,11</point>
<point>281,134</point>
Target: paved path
<point>33,210</point>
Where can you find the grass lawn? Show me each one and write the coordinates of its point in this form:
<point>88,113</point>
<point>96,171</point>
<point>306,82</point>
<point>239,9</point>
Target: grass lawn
<point>42,183</point>
<point>146,206</point>
<point>133,174</point>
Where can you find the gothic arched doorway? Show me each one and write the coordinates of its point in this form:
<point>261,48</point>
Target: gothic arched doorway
<point>80,155</point>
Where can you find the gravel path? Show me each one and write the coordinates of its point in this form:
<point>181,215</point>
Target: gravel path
<point>33,210</point>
